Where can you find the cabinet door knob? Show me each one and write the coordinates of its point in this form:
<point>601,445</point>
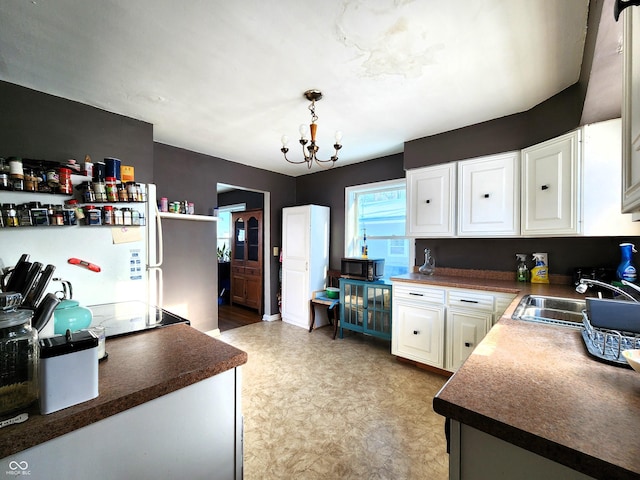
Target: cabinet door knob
<point>467,344</point>
<point>428,201</point>
<point>544,187</point>
<point>486,195</point>
<point>416,332</point>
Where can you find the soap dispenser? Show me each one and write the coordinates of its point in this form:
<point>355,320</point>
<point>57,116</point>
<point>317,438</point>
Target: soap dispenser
<point>522,271</point>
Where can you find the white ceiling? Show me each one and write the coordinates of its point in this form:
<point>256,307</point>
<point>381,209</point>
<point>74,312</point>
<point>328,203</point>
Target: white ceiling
<point>226,78</point>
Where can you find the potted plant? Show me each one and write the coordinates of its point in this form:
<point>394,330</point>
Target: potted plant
<point>224,253</point>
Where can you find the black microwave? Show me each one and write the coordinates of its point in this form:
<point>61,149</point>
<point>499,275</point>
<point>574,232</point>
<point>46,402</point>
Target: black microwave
<point>368,269</point>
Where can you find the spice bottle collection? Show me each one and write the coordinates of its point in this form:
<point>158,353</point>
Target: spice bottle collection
<point>109,183</point>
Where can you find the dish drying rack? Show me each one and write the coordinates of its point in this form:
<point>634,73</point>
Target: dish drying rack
<point>608,345</point>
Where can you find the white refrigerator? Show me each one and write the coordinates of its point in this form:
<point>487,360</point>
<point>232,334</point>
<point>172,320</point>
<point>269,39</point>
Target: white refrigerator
<point>129,257</point>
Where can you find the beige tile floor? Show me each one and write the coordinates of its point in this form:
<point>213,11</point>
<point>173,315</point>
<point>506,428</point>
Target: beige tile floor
<point>317,408</point>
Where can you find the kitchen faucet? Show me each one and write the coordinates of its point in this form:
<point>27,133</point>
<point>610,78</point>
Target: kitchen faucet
<point>588,282</point>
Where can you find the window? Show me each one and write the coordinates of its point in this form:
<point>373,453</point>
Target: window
<point>225,229</point>
<point>379,211</point>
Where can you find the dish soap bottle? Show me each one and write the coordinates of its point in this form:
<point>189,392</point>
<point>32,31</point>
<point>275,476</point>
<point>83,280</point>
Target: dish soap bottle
<point>540,272</point>
<point>429,265</point>
<point>522,272</point>
<point>626,269</point>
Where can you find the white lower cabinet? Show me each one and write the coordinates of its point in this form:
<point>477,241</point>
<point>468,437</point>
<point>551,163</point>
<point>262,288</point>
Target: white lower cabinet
<point>420,332</point>
<point>465,328</point>
<point>440,326</point>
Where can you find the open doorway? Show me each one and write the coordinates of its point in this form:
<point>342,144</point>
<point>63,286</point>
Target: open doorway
<point>232,314</point>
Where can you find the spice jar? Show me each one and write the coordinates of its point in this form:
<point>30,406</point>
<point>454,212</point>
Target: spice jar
<point>126,216</point>
<point>16,171</point>
<point>18,360</point>
<point>112,189</point>
<point>64,177</point>
<point>24,215</point>
<point>123,196</point>
<point>108,215</point>
<point>93,215</point>
<point>132,192</point>
<point>89,193</point>
<point>10,215</point>
<point>58,216</point>
<point>53,178</point>
<point>118,219</point>
<point>100,191</point>
<point>30,181</point>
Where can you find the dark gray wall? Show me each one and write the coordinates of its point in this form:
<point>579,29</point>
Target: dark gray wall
<point>182,174</point>
<point>40,126</point>
<point>252,200</point>
<point>326,187</point>
<point>556,116</point>
<point>499,253</point>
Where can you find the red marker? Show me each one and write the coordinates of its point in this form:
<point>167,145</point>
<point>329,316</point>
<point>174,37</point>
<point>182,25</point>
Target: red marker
<point>82,263</point>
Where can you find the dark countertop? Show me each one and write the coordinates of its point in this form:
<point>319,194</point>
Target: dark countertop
<point>536,386</point>
<point>140,368</point>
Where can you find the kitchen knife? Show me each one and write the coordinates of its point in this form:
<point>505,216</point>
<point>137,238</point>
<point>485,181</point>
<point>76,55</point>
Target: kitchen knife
<point>32,277</point>
<point>45,309</point>
<point>7,271</point>
<point>18,277</point>
<point>34,296</point>
<point>23,258</point>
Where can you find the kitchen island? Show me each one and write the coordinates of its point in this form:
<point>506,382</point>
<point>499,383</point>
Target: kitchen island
<point>530,402</point>
<point>169,406</point>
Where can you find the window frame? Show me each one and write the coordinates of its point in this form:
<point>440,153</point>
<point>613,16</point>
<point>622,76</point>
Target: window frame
<point>352,238</point>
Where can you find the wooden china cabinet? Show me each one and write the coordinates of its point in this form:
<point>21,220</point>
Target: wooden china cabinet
<point>246,259</point>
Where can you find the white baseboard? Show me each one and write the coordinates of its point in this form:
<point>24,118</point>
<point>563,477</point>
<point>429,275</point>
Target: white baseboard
<point>213,333</point>
<point>271,318</point>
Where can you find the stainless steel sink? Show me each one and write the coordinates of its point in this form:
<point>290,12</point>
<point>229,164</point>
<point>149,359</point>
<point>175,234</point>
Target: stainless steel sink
<point>554,310</point>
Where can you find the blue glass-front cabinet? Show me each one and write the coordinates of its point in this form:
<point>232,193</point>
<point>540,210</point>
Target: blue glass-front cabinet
<point>366,307</point>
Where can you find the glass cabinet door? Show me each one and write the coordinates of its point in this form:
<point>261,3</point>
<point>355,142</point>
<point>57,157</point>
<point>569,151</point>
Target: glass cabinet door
<point>239,239</point>
<point>253,239</point>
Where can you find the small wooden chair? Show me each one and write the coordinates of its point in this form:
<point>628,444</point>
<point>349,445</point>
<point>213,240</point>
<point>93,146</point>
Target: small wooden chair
<point>333,305</point>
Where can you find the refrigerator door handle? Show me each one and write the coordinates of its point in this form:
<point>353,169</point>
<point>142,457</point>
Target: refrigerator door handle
<point>160,253</point>
<point>158,284</point>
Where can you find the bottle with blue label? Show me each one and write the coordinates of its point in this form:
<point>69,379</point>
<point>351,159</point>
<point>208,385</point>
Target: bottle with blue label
<point>626,269</point>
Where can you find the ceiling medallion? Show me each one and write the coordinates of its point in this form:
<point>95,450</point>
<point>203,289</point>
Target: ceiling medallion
<point>310,154</point>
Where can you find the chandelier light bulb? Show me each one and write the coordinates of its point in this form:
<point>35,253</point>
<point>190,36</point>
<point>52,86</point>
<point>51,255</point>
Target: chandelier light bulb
<point>338,136</point>
<point>284,140</point>
<point>303,131</point>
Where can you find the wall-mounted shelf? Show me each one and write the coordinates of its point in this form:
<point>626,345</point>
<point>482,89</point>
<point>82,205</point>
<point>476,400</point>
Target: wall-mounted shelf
<point>193,218</point>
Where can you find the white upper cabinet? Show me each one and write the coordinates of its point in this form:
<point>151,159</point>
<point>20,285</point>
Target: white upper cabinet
<point>489,196</point>
<point>431,201</point>
<point>631,112</point>
<point>551,187</point>
<point>566,186</point>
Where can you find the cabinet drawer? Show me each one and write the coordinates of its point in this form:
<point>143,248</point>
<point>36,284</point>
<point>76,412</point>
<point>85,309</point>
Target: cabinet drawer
<point>255,272</point>
<point>466,299</point>
<point>419,293</point>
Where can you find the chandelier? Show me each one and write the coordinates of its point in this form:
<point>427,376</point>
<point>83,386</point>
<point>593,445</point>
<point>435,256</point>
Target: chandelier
<point>310,154</point>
